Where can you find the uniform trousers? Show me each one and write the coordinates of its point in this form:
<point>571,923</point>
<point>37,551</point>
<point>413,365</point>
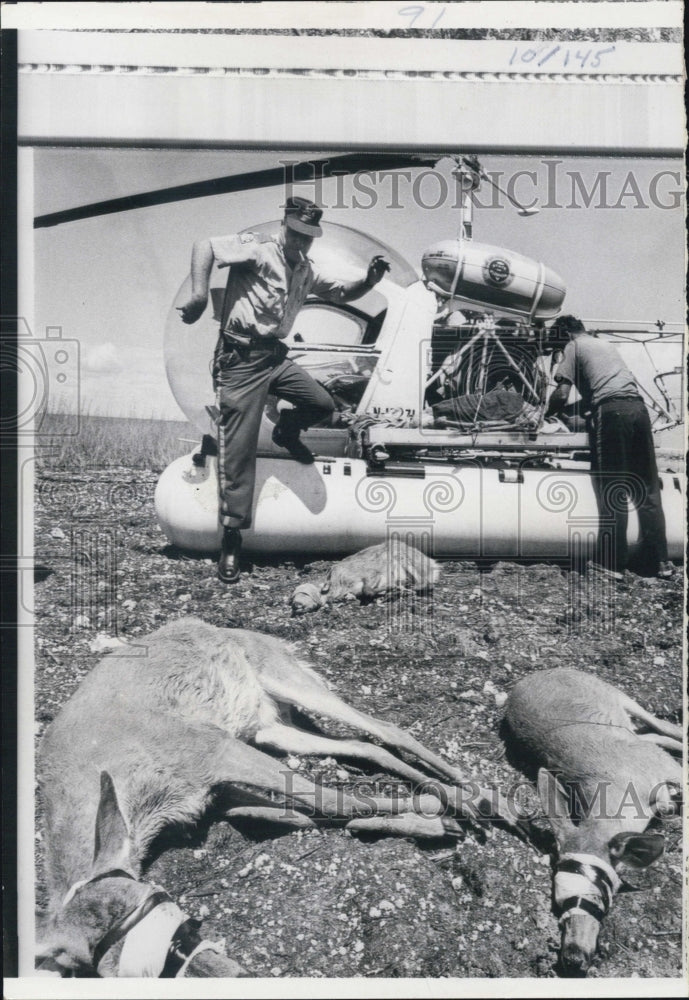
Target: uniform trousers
<point>624,465</point>
<point>243,377</point>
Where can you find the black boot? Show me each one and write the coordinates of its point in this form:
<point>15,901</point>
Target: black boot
<point>286,435</point>
<point>228,563</point>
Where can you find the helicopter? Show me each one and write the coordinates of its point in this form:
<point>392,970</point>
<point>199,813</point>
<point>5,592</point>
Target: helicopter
<point>469,324</point>
<point>441,381</point>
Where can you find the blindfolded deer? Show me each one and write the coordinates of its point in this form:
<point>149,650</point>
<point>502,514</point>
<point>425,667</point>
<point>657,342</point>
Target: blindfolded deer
<point>600,784</point>
<point>154,741</point>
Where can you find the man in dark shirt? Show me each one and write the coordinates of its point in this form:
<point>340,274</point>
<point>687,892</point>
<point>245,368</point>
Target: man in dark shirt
<point>622,449</point>
<point>269,280</point>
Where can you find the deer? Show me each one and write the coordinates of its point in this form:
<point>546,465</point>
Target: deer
<point>600,784</point>
<point>390,567</point>
<point>157,737</point>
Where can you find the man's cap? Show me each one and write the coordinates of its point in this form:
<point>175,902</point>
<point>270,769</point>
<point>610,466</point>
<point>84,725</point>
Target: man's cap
<point>303,216</point>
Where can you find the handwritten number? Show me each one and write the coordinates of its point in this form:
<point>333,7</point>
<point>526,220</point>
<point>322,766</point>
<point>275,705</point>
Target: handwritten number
<point>438,17</point>
<point>414,12</point>
<point>595,62</point>
<point>530,54</point>
<point>549,55</point>
<point>542,54</point>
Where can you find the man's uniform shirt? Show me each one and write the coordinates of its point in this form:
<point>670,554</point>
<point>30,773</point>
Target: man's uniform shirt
<point>264,293</point>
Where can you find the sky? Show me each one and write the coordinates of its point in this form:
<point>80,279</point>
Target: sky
<point>612,228</point>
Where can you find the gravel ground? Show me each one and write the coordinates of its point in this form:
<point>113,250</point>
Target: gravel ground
<point>327,904</point>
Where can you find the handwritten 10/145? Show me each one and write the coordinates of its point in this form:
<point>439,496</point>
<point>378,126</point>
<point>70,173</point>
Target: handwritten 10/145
<point>568,56</point>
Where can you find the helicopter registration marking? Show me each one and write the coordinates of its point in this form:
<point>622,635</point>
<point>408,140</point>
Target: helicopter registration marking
<point>396,411</point>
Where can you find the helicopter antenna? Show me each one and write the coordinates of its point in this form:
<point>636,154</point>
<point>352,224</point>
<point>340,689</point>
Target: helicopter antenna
<point>471,163</point>
<point>467,174</point>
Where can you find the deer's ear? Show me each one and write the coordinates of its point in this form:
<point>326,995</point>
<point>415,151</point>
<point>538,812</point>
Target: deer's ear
<point>112,844</point>
<point>637,849</point>
<point>555,804</point>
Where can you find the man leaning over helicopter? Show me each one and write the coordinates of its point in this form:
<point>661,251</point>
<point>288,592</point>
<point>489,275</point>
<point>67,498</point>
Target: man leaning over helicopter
<point>268,282</point>
<point>621,440</point>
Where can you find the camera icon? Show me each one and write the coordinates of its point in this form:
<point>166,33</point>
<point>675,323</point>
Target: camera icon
<point>47,382</point>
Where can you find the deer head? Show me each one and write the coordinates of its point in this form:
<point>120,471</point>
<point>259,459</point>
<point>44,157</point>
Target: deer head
<point>110,923</point>
<point>585,878</point>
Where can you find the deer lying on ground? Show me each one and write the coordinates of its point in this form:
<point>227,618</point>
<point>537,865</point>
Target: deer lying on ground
<point>156,741</point>
<point>613,780</point>
<point>388,568</point>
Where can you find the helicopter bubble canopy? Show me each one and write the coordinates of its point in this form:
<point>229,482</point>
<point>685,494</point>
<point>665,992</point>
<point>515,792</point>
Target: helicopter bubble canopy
<point>188,349</point>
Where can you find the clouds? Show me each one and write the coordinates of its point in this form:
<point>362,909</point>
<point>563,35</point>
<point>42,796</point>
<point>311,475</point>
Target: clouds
<point>119,381</point>
<point>103,359</point>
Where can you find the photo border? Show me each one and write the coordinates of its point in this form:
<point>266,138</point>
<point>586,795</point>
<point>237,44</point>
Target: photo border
<point>371,84</point>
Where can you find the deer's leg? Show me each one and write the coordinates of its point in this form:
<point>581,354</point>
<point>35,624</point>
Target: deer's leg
<point>407,825</point>
<point>469,800</point>
<point>299,688</point>
<point>297,741</point>
<point>271,814</point>
<point>229,761</point>
<point>307,693</point>
<point>668,742</point>
<point>660,726</point>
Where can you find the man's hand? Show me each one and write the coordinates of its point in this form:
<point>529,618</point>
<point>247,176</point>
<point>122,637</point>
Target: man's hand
<point>376,269</point>
<point>558,399</point>
<point>193,309</point>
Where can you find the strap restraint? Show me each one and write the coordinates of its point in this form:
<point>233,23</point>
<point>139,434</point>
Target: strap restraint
<point>584,883</point>
<point>125,925</point>
<point>110,873</point>
<point>582,905</point>
<point>148,944</point>
<point>160,941</point>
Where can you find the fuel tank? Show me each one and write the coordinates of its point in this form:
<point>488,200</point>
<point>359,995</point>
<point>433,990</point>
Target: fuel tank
<point>335,506</point>
<point>493,277</point>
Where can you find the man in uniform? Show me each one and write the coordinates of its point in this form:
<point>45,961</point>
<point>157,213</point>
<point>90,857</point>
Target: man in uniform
<point>622,450</point>
<point>269,280</point>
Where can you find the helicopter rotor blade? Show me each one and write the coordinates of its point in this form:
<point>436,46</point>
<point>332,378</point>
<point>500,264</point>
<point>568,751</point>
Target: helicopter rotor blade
<point>307,170</point>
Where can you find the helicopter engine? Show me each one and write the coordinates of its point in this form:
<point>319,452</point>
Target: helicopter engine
<point>492,277</point>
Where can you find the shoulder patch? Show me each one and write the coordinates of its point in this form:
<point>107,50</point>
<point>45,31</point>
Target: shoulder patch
<point>247,237</point>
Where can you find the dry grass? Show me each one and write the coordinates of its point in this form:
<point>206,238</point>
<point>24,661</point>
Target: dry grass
<point>71,443</point>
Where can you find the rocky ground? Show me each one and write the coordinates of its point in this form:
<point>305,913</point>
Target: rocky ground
<point>328,904</point>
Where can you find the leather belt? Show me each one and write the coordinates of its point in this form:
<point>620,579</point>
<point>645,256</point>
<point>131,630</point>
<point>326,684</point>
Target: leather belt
<point>250,340</point>
<point>619,399</point>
